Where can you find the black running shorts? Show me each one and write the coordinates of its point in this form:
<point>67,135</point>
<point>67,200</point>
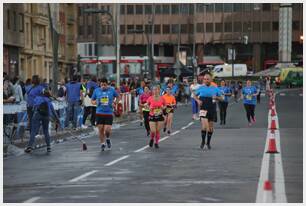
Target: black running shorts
<point>104,119</point>
<point>158,118</point>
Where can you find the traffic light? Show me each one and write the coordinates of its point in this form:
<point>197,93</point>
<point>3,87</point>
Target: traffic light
<point>245,39</point>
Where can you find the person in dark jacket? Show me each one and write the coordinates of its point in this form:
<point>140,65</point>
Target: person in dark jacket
<point>42,111</point>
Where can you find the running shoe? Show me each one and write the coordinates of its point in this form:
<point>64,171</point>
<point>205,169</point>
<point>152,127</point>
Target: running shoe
<point>156,146</point>
<point>103,147</point>
<point>84,126</point>
<point>250,124</point>
<point>202,145</point>
<point>165,129</point>
<point>28,150</point>
<point>151,143</point>
<point>169,132</point>
<point>141,124</point>
<point>109,143</point>
<point>254,120</point>
<point>208,146</point>
<point>49,149</point>
<point>148,133</point>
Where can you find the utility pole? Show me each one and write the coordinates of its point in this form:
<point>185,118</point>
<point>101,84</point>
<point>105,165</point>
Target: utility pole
<point>152,46</point>
<point>117,15</point>
<point>285,33</point>
<point>54,38</point>
<point>194,41</point>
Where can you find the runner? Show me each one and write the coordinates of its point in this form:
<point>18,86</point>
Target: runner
<point>226,92</point>
<point>249,94</point>
<point>157,105</point>
<point>195,107</point>
<point>140,91</point>
<point>145,109</point>
<point>168,112</point>
<point>208,95</point>
<point>103,97</point>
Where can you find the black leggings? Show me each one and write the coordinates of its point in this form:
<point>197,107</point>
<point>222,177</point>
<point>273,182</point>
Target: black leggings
<point>250,111</point>
<point>87,111</point>
<point>223,108</point>
<point>146,120</point>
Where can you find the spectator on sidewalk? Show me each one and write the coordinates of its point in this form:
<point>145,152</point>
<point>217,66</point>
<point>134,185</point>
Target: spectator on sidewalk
<point>18,94</point>
<point>73,95</point>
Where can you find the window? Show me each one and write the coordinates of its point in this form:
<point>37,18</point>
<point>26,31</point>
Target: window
<point>184,28</point>
<point>148,28</point>
<point>190,28</point>
<point>228,27</point>
<point>246,7</point>
<point>191,9</point>
<point>166,29</point>
<point>21,22</point>
<point>209,27</point>
<point>148,9</point>
<point>275,26</point>
<point>8,19</point>
<point>266,7</point>
<point>256,26</point>
<point>139,27</point>
<point>122,9</point>
<point>295,25</point>
<point>15,20</point>
<point>266,26</point>
<point>130,9</point>
<point>89,49</point>
<point>200,27</point>
<point>139,9</point>
<point>275,7</point>
<point>104,29</point>
<point>200,8</point>
<point>158,9</point>
<point>184,8</point>
<point>247,26</point>
<point>166,9</point>
<point>130,29</point>
<point>210,8</point>
<point>89,30</point>
<point>122,29</point>
<point>157,29</point>
<point>80,30</point>
<point>218,27</point>
<point>228,7</point>
<point>219,7</point>
<point>237,27</point>
<point>174,9</point>
<point>174,28</point>
<point>237,7</point>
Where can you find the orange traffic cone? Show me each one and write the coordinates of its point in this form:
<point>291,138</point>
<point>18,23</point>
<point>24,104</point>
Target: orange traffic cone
<point>267,185</point>
<point>273,125</point>
<point>272,146</point>
<point>273,112</point>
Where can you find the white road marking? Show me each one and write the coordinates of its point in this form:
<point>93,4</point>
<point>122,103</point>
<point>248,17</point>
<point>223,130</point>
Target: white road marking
<point>141,149</point>
<point>83,176</point>
<point>31,200</point>
<point>282,94</point>
<point>117,160</point>
<point>164,138</point>
<point>135,121</point>
<point>279,181</point>
<point>176,132</point>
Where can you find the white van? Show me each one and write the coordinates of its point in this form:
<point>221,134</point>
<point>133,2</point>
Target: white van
<point>225,70</point>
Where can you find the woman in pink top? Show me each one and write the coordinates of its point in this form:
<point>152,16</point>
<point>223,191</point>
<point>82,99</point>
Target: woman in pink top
<point>156,104</point>
<point>145,108</point>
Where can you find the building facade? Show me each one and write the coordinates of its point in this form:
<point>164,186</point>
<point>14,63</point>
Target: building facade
<point>35,53</point>
<point>13,37</point>
<point>214,27</point>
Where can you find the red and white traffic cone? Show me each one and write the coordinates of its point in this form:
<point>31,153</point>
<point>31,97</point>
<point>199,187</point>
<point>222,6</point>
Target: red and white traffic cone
<point>267,194</point>
<point>272,146</point>
<point>273,112</point>
<point>273,125</point>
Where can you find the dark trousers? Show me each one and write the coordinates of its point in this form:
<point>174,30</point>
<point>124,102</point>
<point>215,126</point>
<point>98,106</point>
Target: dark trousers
<point>250,111</point>
<point>92,111</point>
<point>37,121</point>
<point>30,115</point>
<point>258,97</point>
<point>146,120</point>
<point>223,108</point>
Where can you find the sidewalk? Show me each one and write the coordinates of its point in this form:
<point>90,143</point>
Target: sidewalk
<point>18,146</point>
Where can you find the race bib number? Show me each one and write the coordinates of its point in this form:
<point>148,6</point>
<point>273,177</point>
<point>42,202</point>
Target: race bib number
<point>203,113</point>
<point>157,112</point>
<point>104,101</point>
<point>249,97</point>
<point>168,109</point>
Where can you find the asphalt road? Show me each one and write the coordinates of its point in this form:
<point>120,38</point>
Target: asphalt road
<point>176,172</point>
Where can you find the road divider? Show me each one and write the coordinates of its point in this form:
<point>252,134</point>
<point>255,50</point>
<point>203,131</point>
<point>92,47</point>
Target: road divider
<point>117,160</point>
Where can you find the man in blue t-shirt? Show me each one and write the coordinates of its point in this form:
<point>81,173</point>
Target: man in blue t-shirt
<point>206,96</point>
<point>104,97</point>
<point>226,93</point>
<point>73,95</point>
<point>249,94</point>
